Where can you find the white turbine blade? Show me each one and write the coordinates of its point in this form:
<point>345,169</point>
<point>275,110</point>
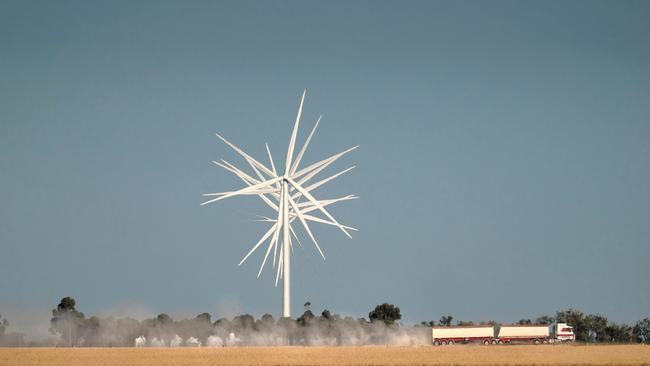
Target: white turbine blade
<point>268,151</point>
<point>247,157</point>
<point>321,182</point>
<point>250,181</point>
<point>291,247</point>
<point>265,219</point>
<point>327,202</point>
<point>315,219</point>
<point>280,223</point>
<point>262,240</point>
<point>257,172</point>
<point>323,203</point>
<point>304,224</point>
<point>243,176</point>
<point>304,147</point>
<point>317,204</point>
<point>320,165</point>
<point>292,141</point>
<point>277,276</point>
<point>323,221</point>
<point>311,174</point>
<point>242,191</point>
<point>239,174</point>
<point>266,255</point>
<point>249,192</point>
<point>294,234</point>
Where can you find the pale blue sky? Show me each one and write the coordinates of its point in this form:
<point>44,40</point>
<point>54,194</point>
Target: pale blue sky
<point>504,168</point>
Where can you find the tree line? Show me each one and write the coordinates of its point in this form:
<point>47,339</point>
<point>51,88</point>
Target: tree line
<point>71,328</point>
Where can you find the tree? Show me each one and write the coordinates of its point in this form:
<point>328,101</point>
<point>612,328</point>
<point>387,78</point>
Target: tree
<point>244,322</point>
<point>326,315</point>
<point>621,333</point>
<point>464,323</point>
<point>544,319</point>
<point>595,326</point>
<point>268,319</point>
<point>524,321</point>
<point>3,325</point>
<point>445,320</point>
<point>164,319</point>
<point>67,321</point>
<point>388,313</point>
<point>204,317</point>
<point>576,319</point>
<point>641,330</point>
<point>305,318</point>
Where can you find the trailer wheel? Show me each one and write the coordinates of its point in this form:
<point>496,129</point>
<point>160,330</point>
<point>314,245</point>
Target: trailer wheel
<point>444,343</point>
<point>494,341</point>
<point>451,343</point>
<point>536,341</point>
<point>545,341</point>
<point>500,341</point>
<point>436,343</point>
<point>486,342</point>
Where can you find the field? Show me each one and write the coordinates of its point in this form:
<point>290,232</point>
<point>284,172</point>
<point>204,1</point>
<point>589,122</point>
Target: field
<point>371,355</point>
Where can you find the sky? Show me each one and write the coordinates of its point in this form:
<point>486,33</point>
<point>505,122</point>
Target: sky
<point>503,168</point>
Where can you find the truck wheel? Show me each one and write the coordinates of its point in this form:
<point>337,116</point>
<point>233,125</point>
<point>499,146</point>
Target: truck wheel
<point>444,343</point>
<point>486,342</point>
<point>500,341</point>
<point>545,341</point>
<point>436,343</point>
<point>536,341</point>
<point>451,343</point>
<point>494,341</point>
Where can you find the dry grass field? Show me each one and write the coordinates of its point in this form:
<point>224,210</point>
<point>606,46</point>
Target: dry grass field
<point>371,355</point>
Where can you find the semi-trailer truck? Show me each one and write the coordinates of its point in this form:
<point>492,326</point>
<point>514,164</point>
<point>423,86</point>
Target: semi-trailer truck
<point>559,332</point>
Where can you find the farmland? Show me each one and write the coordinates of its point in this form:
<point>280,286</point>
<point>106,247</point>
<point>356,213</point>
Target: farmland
<point>369,355</point>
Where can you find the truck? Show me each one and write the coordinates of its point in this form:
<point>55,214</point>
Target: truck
<point>499,334</point>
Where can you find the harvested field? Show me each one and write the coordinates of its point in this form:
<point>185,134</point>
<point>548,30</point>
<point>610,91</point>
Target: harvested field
<point>371,355</point>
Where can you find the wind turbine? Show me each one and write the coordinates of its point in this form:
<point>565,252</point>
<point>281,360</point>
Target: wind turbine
<point>284,193</point>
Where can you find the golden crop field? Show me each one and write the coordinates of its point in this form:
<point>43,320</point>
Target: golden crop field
<point>369,355</point>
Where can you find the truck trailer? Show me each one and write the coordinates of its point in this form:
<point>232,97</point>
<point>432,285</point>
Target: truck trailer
<point>535,334</point>
<point>462,334</point>
<point>524,333</point>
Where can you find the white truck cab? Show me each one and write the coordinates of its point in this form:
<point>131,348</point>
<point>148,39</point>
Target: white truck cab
<point>563,332</point>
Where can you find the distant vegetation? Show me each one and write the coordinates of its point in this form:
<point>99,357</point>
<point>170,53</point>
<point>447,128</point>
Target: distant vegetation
<point>70,327</point>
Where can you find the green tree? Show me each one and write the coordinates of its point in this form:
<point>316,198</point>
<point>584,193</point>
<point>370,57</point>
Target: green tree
<point>204,317</point>
<point>67,321</point>
<point>641,330</point>
<point>305,318</point>
<point>388,313</point>
<point>620,333</point>
<point>544,319</point>
<point>326,315</point>
<point>524,321</point>
<point>445,320</point>
<point>595,326</point>
<point>244,322</point>
<point>464,323</point>
<point>3,325</point>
